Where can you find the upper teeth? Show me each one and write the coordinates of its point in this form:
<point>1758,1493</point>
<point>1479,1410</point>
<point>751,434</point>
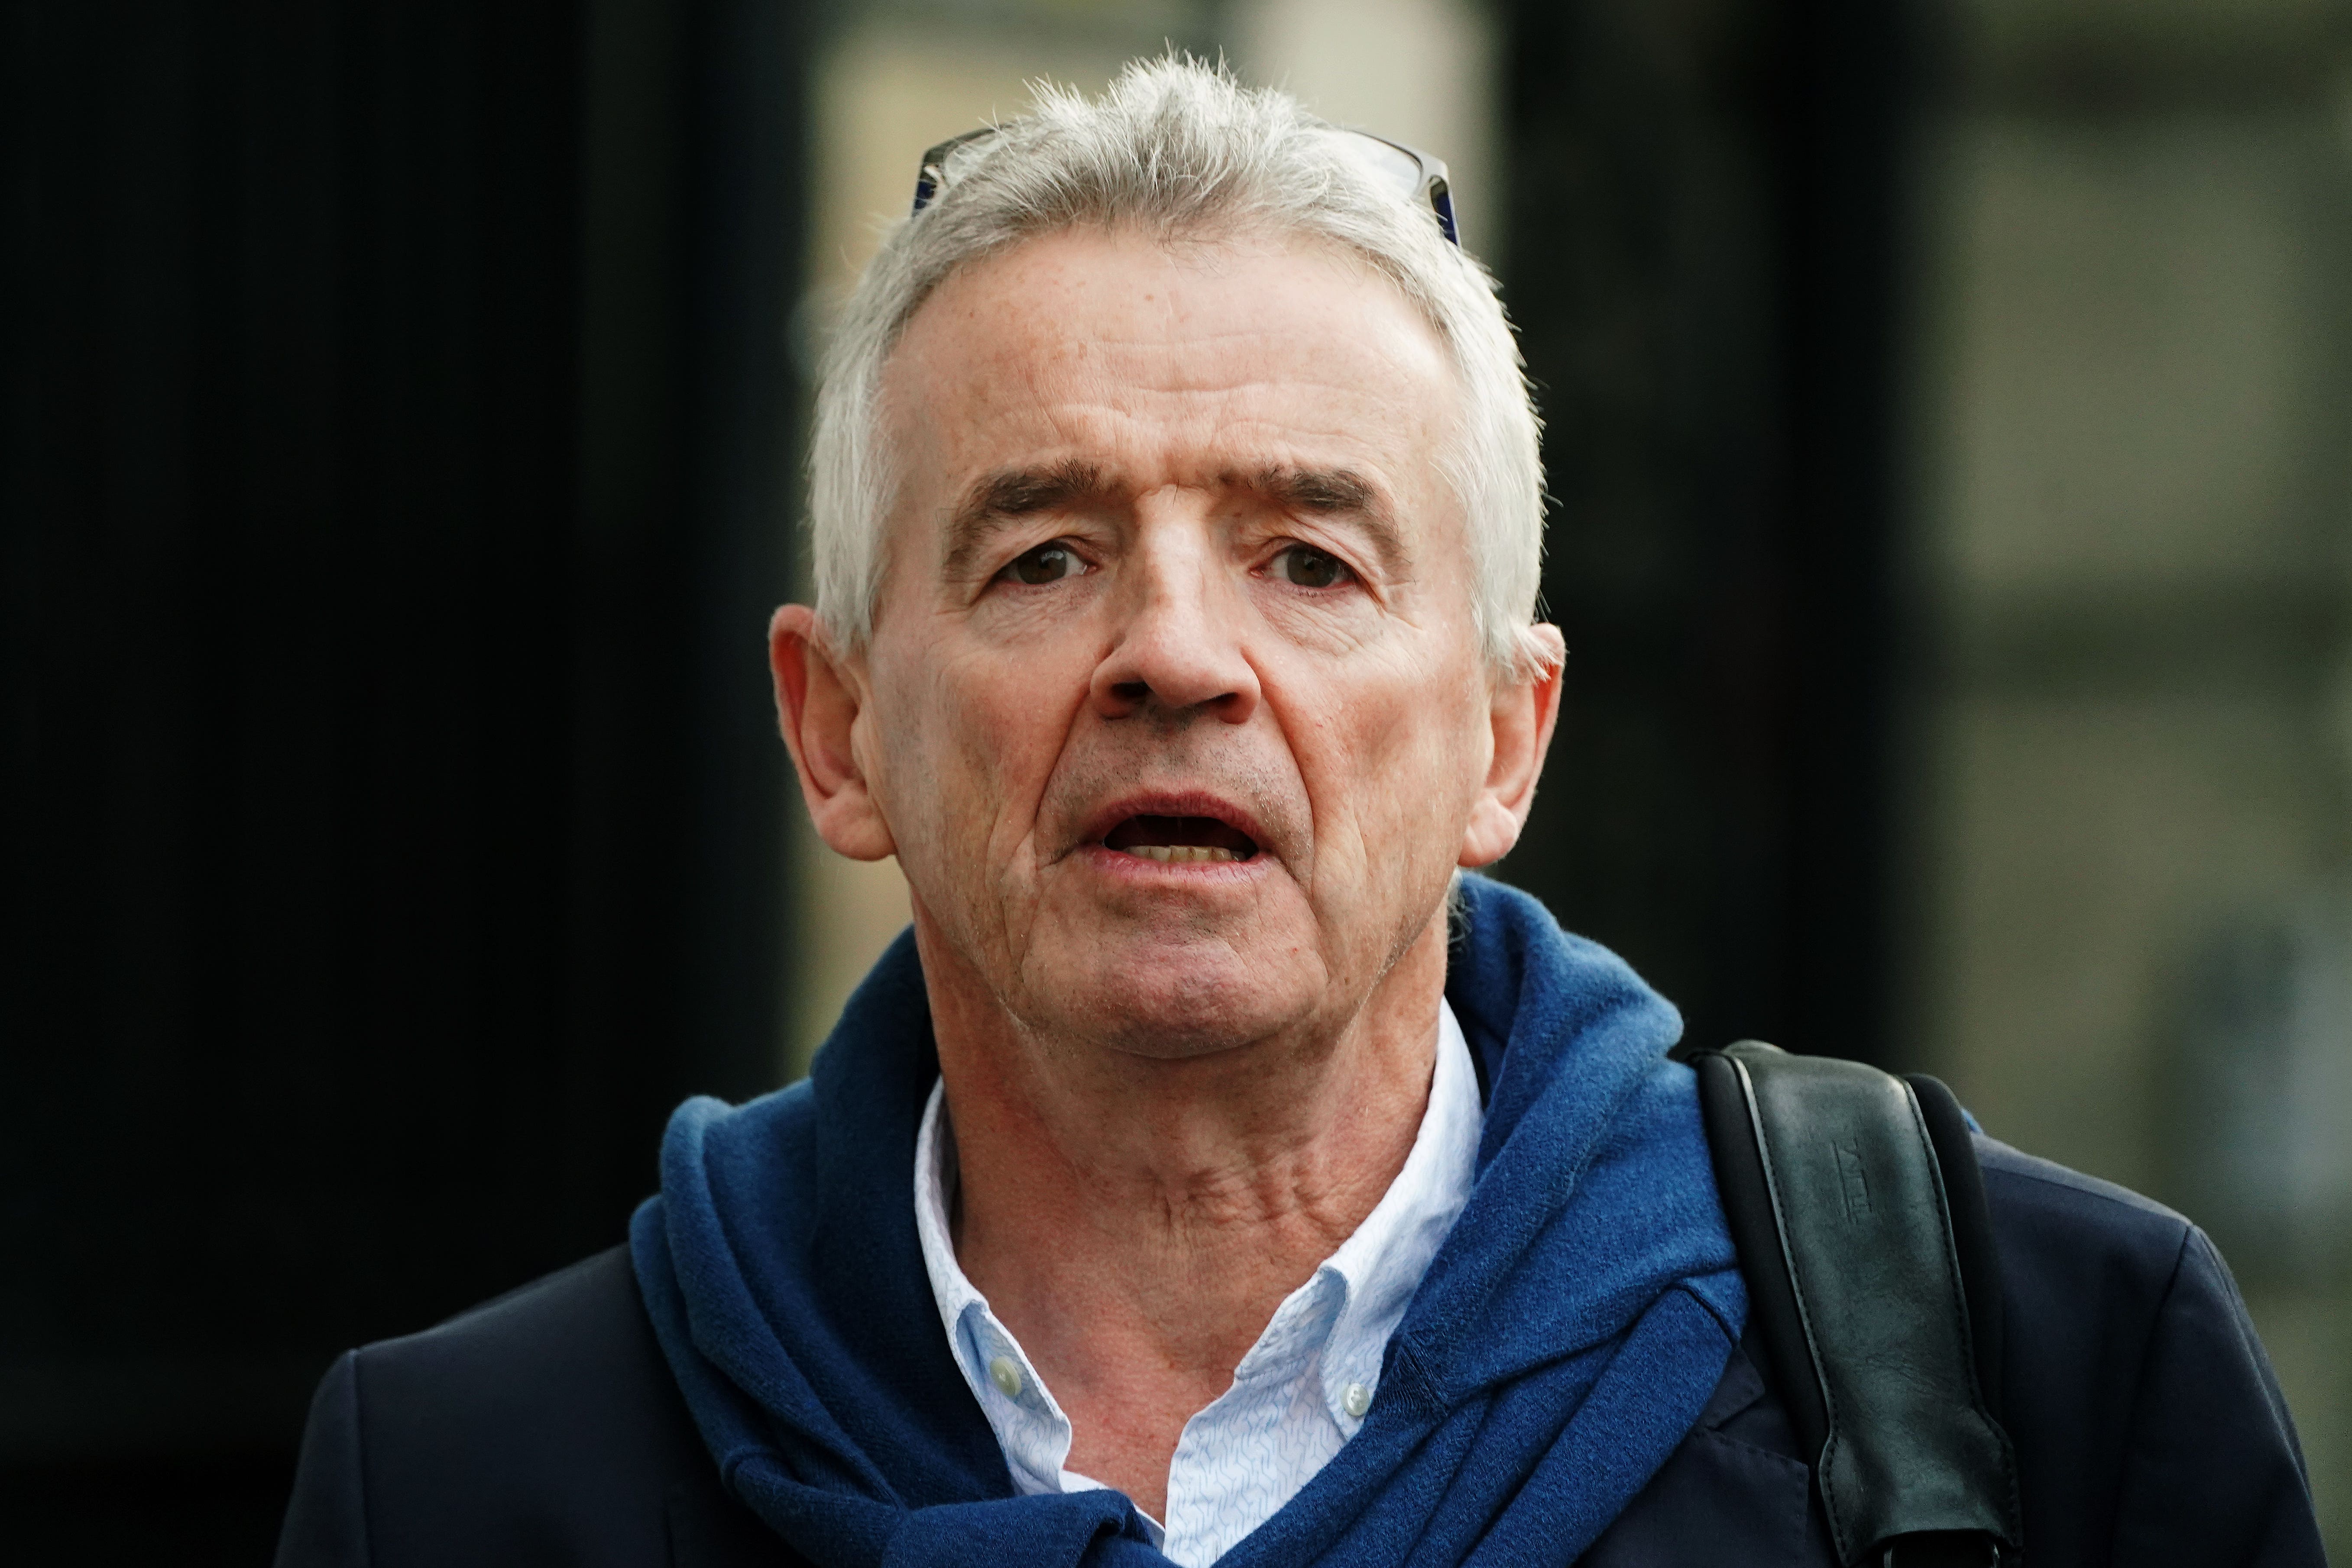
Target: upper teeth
<point>1182,853</point>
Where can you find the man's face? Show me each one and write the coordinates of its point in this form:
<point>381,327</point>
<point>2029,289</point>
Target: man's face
<point>1173,709</point>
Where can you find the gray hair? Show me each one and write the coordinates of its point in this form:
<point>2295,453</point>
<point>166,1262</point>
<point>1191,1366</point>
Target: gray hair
<point>1178,147</point>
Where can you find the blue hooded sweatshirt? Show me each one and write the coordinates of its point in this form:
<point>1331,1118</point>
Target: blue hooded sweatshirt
<point>1566,1337</point>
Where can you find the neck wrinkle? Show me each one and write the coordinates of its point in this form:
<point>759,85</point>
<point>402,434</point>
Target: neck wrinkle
<point>1155,1216</point>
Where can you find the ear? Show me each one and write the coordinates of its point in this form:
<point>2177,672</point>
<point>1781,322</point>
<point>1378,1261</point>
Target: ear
<point>819,697</point>
<point>1523,712</point>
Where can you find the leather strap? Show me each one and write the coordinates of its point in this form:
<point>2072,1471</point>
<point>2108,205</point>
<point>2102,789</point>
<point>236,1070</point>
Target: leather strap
<point>1837,1202</point>
<point>1964,1203</point>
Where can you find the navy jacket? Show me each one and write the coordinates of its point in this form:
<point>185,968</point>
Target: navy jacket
<point>545,1428</point>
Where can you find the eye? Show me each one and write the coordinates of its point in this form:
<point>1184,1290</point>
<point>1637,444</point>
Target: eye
<point>1304,566</point>
<point>1048,562</point>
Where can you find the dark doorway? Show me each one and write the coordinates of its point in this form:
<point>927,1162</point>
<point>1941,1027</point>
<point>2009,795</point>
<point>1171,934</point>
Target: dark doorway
<point>1707,215</point>
<point>394,422</point>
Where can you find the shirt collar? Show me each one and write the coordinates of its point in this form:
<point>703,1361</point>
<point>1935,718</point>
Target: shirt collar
<point>1381,1265</point>
<point>1029,1425</point>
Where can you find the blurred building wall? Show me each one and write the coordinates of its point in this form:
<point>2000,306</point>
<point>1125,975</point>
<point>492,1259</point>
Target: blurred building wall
<point>2132,582</point>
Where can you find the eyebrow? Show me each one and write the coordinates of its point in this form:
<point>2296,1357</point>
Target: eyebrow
<point>1327,493</point>
<point>1009,494</point>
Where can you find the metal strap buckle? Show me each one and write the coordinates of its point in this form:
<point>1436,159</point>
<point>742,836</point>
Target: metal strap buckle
<point>1943,1549</point>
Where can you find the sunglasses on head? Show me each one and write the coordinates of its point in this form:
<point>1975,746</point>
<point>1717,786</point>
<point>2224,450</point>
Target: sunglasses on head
<point>1413,174</point>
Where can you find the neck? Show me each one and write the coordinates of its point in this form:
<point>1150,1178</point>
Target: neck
<point>1136,1221</point>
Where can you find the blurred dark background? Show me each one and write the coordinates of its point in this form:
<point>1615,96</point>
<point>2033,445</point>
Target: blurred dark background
<point>398,446</point>
<point>393,484</point>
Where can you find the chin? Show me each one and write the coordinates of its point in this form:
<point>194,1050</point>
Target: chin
<point>1194,1001</point>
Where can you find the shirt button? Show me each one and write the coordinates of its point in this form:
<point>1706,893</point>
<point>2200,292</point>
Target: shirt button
<point>1007,1377</point>
<point>1356,1400</point>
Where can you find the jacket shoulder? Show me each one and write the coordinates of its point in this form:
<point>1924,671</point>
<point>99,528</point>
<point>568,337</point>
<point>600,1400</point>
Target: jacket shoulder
<point>530,1344</point>
<point>2034,1190</point>
<point>2147,1427</point>
<point>2148,1424</point>
<point>2107,1246</point>
<point>540,1428</point>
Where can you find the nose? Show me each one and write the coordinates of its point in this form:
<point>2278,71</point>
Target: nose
<point>1177,644</point>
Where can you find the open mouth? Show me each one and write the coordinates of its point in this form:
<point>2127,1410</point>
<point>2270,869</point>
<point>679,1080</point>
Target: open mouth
<point>1180,840</point>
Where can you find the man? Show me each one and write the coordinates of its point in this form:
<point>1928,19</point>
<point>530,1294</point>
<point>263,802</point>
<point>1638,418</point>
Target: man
<point>1215,1173</point>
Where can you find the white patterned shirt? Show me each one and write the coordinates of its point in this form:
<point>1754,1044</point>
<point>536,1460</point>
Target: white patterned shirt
<point>1302,1390</point>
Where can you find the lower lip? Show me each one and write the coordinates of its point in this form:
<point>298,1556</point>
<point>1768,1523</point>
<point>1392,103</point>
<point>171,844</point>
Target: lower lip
<point>1136,869</point>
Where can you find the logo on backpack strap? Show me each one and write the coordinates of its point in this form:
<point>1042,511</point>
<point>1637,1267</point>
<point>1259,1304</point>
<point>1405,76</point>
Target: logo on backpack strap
<point>1853,1182</point>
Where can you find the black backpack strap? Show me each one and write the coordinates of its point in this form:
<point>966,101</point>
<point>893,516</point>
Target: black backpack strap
<point>1971,1223</point>
<point>1855,1203</point>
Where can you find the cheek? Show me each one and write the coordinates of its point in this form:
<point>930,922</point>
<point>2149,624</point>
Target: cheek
<point>984,730</point>
<point>1396,763</point>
